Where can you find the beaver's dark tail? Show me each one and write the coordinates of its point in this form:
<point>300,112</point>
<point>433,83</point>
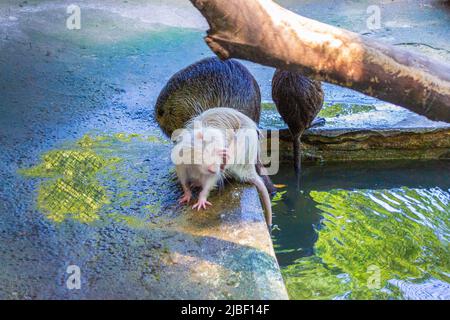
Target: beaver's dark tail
<point>297,149</point>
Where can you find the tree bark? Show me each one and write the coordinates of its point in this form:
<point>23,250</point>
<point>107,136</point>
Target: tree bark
<point>263,32</point>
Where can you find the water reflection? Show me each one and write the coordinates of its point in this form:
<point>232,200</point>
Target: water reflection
<point>331,241</point>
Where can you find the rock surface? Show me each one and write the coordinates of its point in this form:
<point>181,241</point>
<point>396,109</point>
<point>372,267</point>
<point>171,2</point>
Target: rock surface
<point>76,108</point>
<point>59,85</point>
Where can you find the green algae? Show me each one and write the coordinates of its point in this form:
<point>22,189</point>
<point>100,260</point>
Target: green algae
<point>309,279</point>
<point>153,208</point>
<point>268,106</point>
<point>278,197</point>
<point>91,179</point>
<point>343,109</point>
<point>121,137</point>
<point>73,189</point>
<point>270,118</point>
<point>157,139</point>
<point>130,221</point>
<point>401,232</point>
<point>330,110</point>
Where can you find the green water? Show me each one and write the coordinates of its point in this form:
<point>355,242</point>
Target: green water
<point>365,231</point>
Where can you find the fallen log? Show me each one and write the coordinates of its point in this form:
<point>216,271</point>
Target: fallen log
<point>262,31</point>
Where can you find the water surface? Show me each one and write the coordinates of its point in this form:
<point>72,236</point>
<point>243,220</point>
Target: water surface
<point>377,230</point>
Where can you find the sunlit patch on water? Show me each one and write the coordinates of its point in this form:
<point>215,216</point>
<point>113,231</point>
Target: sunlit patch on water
<point>377,244</point>
<point>103,178</point>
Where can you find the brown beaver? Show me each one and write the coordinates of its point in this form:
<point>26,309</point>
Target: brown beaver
<point>206,84</point>
<point>298,100</point>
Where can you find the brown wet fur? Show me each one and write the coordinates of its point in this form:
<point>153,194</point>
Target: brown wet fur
<point>298,100</point>
<point>206,84</point>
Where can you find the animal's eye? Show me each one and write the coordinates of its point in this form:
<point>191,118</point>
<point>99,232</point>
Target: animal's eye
<point>160,112</point>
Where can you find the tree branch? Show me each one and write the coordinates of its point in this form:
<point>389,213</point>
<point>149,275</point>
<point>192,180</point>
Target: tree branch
<point>263,32</point>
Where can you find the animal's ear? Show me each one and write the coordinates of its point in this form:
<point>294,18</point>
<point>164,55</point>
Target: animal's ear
<point>181,135</point>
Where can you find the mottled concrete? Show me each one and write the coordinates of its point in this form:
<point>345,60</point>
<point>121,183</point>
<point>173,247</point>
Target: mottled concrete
<point>373,144</point>
<point>69,101</point>
<point>385,133</point>
<point>223,253</point>
<point>57,85</point>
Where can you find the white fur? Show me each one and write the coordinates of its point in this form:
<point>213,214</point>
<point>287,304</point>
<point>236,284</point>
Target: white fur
<point>240,137</point>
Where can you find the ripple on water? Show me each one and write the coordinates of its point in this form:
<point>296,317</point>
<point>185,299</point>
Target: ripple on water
<point>429,290</point>
<point>377,244</point>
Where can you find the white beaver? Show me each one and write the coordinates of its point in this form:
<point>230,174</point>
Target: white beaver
<point>219,142</point>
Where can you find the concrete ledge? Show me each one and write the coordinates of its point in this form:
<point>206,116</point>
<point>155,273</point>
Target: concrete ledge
<point>223,253</point>
<point>369,144</point>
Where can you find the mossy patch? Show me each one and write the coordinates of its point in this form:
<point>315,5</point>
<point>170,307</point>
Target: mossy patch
<point>88,141</point>
<point>96,177</point>
<point>278,197</point>
<point>73,189</point>
<point>330,110</point>
<point>270,118</point>
<point>343,109</point>
<point>268,106</point>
